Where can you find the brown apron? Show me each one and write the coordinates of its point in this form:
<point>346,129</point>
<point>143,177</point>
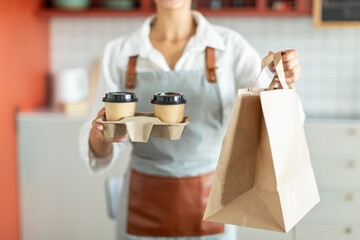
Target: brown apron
<point>161,206</point>
<point>169,207</point>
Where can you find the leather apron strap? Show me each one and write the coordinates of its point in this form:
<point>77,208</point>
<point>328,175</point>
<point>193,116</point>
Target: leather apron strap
<point>209,61</point>
<point>131,72</point>
<point>210,64</point>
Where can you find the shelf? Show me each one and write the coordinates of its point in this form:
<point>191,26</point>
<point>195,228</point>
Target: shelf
<point>258,8</point>
<point>252,12</point>
<point>94,12</point>
<point>47,114</point>
<point>224,12</point>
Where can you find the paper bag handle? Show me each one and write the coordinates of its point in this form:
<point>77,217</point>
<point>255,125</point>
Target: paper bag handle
<point>279,68</point>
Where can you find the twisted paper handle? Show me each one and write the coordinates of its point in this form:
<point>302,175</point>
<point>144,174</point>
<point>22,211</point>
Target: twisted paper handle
<point>277,58</point>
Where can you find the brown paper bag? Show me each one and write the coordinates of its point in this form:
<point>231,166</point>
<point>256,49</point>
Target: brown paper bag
<point>264,178</point>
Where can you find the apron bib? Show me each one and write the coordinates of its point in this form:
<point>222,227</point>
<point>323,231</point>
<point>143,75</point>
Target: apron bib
<point>170,180</point>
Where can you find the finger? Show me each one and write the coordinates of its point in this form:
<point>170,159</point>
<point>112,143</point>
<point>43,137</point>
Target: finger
<point>291,64</point>
<point>291,80</point>
<point>101,112</point>
<point>293,75</point>
<point>272,67</point>
<point>290,54</point>
<point>289,74</point>
<point>99,134</point>
<point>97,126</point>
<point>121,139</point>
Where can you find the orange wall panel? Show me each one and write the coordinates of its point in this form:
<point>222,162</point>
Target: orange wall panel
<point>24,62</point>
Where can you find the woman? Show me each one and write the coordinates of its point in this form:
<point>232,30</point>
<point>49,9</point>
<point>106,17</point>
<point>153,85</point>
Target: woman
<point>168,182</point>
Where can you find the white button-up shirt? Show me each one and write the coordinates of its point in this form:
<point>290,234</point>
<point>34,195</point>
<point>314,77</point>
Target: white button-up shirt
<point>237,63</point>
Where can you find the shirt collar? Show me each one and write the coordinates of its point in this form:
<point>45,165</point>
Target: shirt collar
<point>206,36</point>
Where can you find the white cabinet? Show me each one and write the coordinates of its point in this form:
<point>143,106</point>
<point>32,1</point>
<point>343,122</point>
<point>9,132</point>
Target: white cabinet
<point>339,231</point>
<point>335,154</point>
<point>257,234</point>
<point>336,207</point>
<point>340,171</point>
<point>59,199</point>
<point>333,137</point>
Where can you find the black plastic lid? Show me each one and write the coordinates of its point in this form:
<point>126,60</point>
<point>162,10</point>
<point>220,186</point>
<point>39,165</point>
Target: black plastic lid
<point>120,97</point>
<point>168,98</point>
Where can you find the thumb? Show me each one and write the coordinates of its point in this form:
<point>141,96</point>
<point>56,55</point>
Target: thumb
<point>101,112</point>
<point>271,52</point>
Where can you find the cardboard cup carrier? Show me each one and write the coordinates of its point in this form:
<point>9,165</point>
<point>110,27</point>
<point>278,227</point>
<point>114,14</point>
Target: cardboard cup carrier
<point>139,126</point>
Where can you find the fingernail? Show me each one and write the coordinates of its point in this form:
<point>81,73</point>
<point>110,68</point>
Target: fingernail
<point>99,127</point>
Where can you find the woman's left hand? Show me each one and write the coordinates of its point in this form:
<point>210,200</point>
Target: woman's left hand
<point>291,66</point>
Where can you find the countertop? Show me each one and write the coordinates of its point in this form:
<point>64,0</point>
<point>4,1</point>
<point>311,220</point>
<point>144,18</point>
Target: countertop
<point>46,114</point>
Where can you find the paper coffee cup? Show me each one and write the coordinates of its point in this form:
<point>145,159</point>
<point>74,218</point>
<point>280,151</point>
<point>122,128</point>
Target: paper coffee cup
<point>169,107</point>
<point>119,105</point>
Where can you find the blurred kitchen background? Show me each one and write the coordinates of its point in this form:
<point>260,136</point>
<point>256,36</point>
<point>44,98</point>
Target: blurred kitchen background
<point>50,60</point>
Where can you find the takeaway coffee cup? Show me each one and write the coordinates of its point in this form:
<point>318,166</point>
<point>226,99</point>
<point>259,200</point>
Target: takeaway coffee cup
<point>119,105</point>
<point>169,107</point>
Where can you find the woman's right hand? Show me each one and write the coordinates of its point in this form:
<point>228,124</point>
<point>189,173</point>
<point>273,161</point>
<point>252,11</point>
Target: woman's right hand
<point>100,145</point>
<point>98,128</point>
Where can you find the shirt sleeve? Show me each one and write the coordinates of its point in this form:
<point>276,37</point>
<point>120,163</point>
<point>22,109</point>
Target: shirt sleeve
<point>108,81</point>
<point>247,67</point>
